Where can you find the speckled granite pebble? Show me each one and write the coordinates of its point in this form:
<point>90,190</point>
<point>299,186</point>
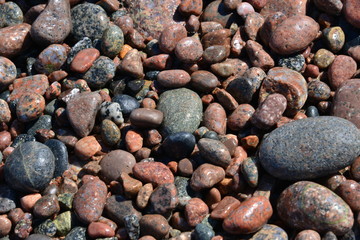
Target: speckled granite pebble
<point>77,233</point>
<point>323,146</point>
<point>308,205</point>
<point>10,14</point>
<point>7,72</point>
<point>15,39</point>
<point>112,41</point>
<point>7,198</point>
<point>102,71</point>
<point>269,232</point>
<point>51,59</point>
<point>112,111</point>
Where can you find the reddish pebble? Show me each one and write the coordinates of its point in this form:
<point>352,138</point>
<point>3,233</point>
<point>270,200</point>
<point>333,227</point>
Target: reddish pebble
<point>5,140</point>
<point>225,207</point>
<point>308,235</point>
<point>215,118</point>
<point>173,78</point>
<point>244,8</point>
<point>133,140</point>
<point>195,211</point>
<point>206,176</point>
<point>170,36</point>
<point>143,196</point>
<point>240,117</point>
<point>341,69</point>
<point>5,226</point>
<point>153,172</point>
<point>84,59</point>
<point>355,169</point>
<point>28,201</point>
<point>100,230</point>
<point>30,106</point>
<point>158,62</point>
<point>87,147</point>
<point>154,225</point>
<point>46,206</point>
<point>189,7</point>
<point>5,114</point>
<point>189,50</point>
<point>349,191</point>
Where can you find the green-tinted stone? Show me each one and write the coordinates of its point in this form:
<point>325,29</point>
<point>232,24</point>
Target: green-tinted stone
<point>47,228</point>
<point>112,41</point>
<point>63,223</point>
<point>110,132</point>
<point>323,58</point>
<point>334,38</point>
<point>144,90</point>
<point>65,200</point>
<point>10,14</point>
<point>182,109</point>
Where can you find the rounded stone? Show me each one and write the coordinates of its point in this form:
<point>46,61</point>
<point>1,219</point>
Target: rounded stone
<point>334,38</point>
<point>206,176</point>
<point>178,117</point>
<point>195,211</point>
<point>318,91</point>
<point>215,54</point>
<point>112,41</point>
<point>217,12</point>
<point>240,117</point>
<point>100,230</point>
<point>51,59</point>
<point>179,145</point>
<point>189,50</point>
<point>84,59</point>
<point>89,20</point>
<point>308,205</point>
<point>156,173</point>
<point>308,235</point>
<point>351,11</point>
<point>146,118</point>
<point>342,69</point>
<point>7,72</point>
<point>111,111</point>
<point>61,156</point>
<point>30,167</point>
<point>46,206</point>
<point>100,73</point>
<point>5,226</point>
<point>170,36</point>
<point>154,225</point>
<point>38,237</point>
<point>127,103</point>
<point>332,7</point>
<point>15,39</point>
<point>77,233</point>
<point>116,162</point>
<point>110,132</point>
<point>214,151</point>
<point>270,231</point>
<point>295,63</point>
<point>204,81</point>
<point>323,58</point>
<point>173,78</point>
<point>215,118</point>
<point>10,14</point>
<point>349,191</point>
<point>30,106</point>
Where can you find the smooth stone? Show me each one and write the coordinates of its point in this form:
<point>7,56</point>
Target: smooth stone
<point>295,63</point>
<point>53,24</point>
<point>215,118</point>
<point>270,231</point>
<point>5,226</point>
<point>116,162</point>
<point>81,112</point>
<point>111,111</point>
<point>5,113</point>
<point>189,50</point>
<point>308,205</point>
<point>88,20</point>
<point>77,233</point>
<point>10,14</point>
<point>195,211</point>
<point>326,145</point>
<point>179,145</point>
<point>46,206</point>
<point>206,176</point>
<point>341,69</point>
<point>216,12</point>
<point>127,103</point>
<point>100,73</point>
<point>8,72</point>
<point>84,59</point>
<point>132,64</point>
<point>110,132</point>
<point>214,151</point>
<point>170,36</point>
<point>296,7</point>
<point>332,7</point>
<point>117,207</point>
<point>61,156</point>
<point>146,118</point>
<point>164,199</point>
<point>178,117</point>
<point>112,41</point>
<point>154,225</point>
<point>30,107</point>
<point>225,207</point>
<point>30,167</point>
<point>8,199</point>
<point>99,229</point>
<point>173,78</point>
<point>51,59</point>
<point>82,44</point>
<point>351,11</point>
<point>15,40</point>
<point>203,232</point>
<point>204,81</point>
<point>323,58</point>
<point>318,91</point>
<point>215,54</point>
<point>38,237</point>
<point>312,111</point>
<point>64,223</point>
<point>156,173</point>
<point>334,38</point>
<point>43,122</point>
<point>22,138</point>
<point>34,84</point>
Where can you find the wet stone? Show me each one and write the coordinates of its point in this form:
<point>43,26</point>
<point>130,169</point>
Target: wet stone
<point>319,159</point>
<point>153,172</point>
<point>22,138</point>
<point>217,12</point>
<point>312,111</point>
<point>127,103</point>
<point>34,158</point>
<point>88,20</point>
<point>61,156</point>
<point>102,71</point>
<point>99,230</point>
<point>179,145</point>
<point>295,63</point>
<point>15,40</point>
<point>204,81</point>
<point>294,201</point>
<point>318,91</point>
<point>224,208</point>
<point>10,14</point>
<point>112,41</point>
<point>46,206</point>
<point>154,225</point>
<point>111,111</point>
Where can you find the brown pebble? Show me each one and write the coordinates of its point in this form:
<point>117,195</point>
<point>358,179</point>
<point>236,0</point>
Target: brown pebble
<point>5,140</point>
<point>156,173</point>
<point>214,118</point>
<point>240,117</point>
<point>355,169</point>
<point>5,226</point>
<point>125,23</point>
<point>46,206</point>
<point>131,186</point>
<point>308,235</point>
<point>349,191</point>
<point>225,99</point>
<point>100,230</point>
<point>213,197</point>
<point>341,69</point>
<point>15,215</point>
<point>15,39</point>
<point>204,81</point>
<point>188,7</point>
<point>258,56</point>
<point>189,50</point>
<point>154,225</point>
<point>206,176</point>
<point>164,199</point>
<point>173,78</point>
<point>195,211</point>
<point>253,23</point>
<point>158,62</point>
<point>185,167</point>
<point>133,140</point>
<point>132,64</point>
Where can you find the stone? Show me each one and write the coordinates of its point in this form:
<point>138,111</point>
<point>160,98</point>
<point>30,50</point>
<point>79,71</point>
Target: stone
<point>293,34</point>
<point>345,102</point>
<point>349,191</point>
<point>127,103</point>
<point>154,225</point>
<point>112,41</point>
<point>38,237</point>
<point>132,64</point>
<point>158,62</point>
<point>89,201</point>
<point>307,159</point>
<point>30,167</point>
<point>88,20</point>
<point>46,206</point>
<point>297,7</point>
<point>195,211</point>
<point>189,50</point>
<point>318,91</point>
<point>116,162</point>
<point>206,176</point>
<point>146,118</point>
<point>164,199</point>
<point>30,106</point>
<point>323,58</point>
<point>143,195</point>
<point>215,118</point>
<point>7,72</point>
<point>203,232</point>
<point>295,62</point>
<point>225,99</point>
<point>86,147</point>
<point>33,12</point>
<point>61,156</point>
<point>47,228</point>
<point>179,145</point>
<point>270,231</point>
<point>35,84</point>
<point>22,138</point>
<point>214,152</point>
<point>308,234</point>
<point>191,7</point>
<point>178,117</point>
<point>250,172</point>
<point>15,40</point>
<point>110,133</point>
<point>117,208</point>
<point>53,24</point>
<point>100,73</point>
<point>173,78</point>
<point>77,233</point>
<point>28,201</point>
<point>332,7</point>
<point>294,208</point>
<point>6,225</point>
<point>258,56</point>
<point>342,69</point>
<point>133,141</point>
<point>156,173</point>
<point>253,23</point>
<point>81,112</point>
<point>84,59</point>
<point>204,81</point>
<point>240,117</point>
<point>334,38</point>
<point>224,208</point>
<point>10,14</point>
<point>215,54</point>
<point>111,111</point>
<point>82,44</point>
<point>43,122</point>
<point>217,12</point>
<point>170,36</point>
<point>352,13</point>
<point>64,223</point>
<point>100,230</point>
<point>249,217</point>
<point>244,8</point>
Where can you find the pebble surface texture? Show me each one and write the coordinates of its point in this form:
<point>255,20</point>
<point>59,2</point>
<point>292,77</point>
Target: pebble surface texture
<point>324,146</point>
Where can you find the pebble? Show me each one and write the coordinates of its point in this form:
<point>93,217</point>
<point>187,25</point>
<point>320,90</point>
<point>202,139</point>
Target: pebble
<point>355,169</point>
<point>244,9</point>
<point>224,208</point>
<point>253,23</point>
<point>30,157</point>
<point>308,234</point>
<point>342,69</point>
<point>294,201</point>
<point>61,156</point>
<point>334,38</point>
<point>132,64</point>
<point>81,111</point>
<point>110,133</point>
<point>318,91</point>
<point>154,225</point>
<point>158,62</point>
<point>112,41</point>
<point>88,20</point>
<point>22,138</point>
<point>178,117</point>
<point>131,185</point>
<point>46,206</point>
<point>64,223</point>
<point>5,226</point>
<point>5,140</point>
<point>28,201</point>
<point>332,7</point>
<point>287,37</point>
<point>215,54</point>
<point>15,40</point>
<point>173,78</point>
<point>7,72</point>
<point>84,59</point>
<point>258,56</point>
<point>323,58</point>
<point>203,232</point>
<point>29,107</point>
<point>133,141</point>
<point>164,199</point>
<point>89,201</point>
<point>204,81</point>
<point>225,99</point>
<point>77,233</point>
<point>146,118</point>
<point>86,147</point>
<point>217,12</point>
<point>352,13</point>
<point>191,7</point>
<point>309,159</point>
<point>82,44</point>
<point>349,191</point>
<point>38,237</point>
<point>297,7</point>
<point>250,171</point>
<point>195,211</point>
<point>179,145</point>
<point>43,122</point>
<point>111,111</point>
<point>215,152</point>
<point>56,13</point>
<point>47,228</point>
<point>189,50</point>
<point>215,118</point>
<point>206,176</point>
<point>100,230</point>
<point>116,162</point>
<point>127,103</point>
<point>240,117</point>
<point>143,195</point>
<point>295,63</point>
<point>270,231</point>
<point>270,24</point>
<point>229,67</point>
<point>170,36</point>
<point>312,111</point>
<point>10,14</point>
<point>101,72</point>
<point>117,207</point>
<point>156,173</point>
<point>33,12</point>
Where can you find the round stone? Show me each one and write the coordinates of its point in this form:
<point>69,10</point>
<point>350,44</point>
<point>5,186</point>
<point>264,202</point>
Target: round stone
<point>30,107</point>
<point>101,72</point>
<point>7,72</point>
<point>111,111</point>
<point>10,14</point>
<point>110,132</point>
<point>112,41</point>
<point>30,167</point>
<point>179,145</point>
<point>334,38</point>
<point>127,103</point>
<point>189,50</point>
<point>51,59</point>
<point>116,162</point>
<point>146,118</point>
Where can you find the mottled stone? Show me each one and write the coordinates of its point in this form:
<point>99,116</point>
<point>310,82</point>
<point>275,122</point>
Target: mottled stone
<point>117,207</point>
<point>22,138</point>
<point>64,223</point>
<point>215,152</point>
<point>270,231</point>
<point>217,12</point>
<point>127,103</point>
<point>295,63</point>
<point>170,36</point>
<point>43,122</point>
<point>100,230</point>
<point>29,107</point>
<point>116,162</point>
<point>110,132</point>
<point>10,14</point>
<point>53,24</point>
<point>158,62</point>
<point>318,91</point>
<point>215,118</point>
<point>5,226</point>
<point>164,199</point>
<point>7,72</point>
<point>253,23</point>
<point>250,171</point>
<point>132,64</point>
<point>225,99</point>
<point>323,58</point>
<point>349,191</point>
<point>334,38</point>
<point>195,211</point>
<point>206,176</point>
<point>153,172</point>
<point>101,72</point>
<point>144,195</point>
<point>154,225</point>
<point>111,111</point>
<point>46,206</point>
<point>189,50</point>
<point>249,217</point>
<point>81,112</point>
<point>215,54</point>
<point>15,40</point>
<point>297,7</point>
<point>303,204</point>
<point>35,84</point>
<point>5,114</point>
<point>8,198</point>
<point>178,116</point>
<point>313,154</point>
<point>173,78</point>
<point>88,20</point>
<point>82,44</point>
<point>258,56</point>
<point>224,208</point>
<point>51,59</point>
<point>240,117</point>
<point>351,11</point>
<point>270,24</point>
<point>112,41</point>
<point>90,200</point>
<point>342,69</point>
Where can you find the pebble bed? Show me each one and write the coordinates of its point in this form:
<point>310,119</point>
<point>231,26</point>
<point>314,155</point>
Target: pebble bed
<point>179,119</point>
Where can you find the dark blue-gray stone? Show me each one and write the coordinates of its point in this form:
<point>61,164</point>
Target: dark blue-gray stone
<point>89,20</point>
<point>269,231</point>
<point>22,138</point>
<point>203,232</point>
<point>47,228</point>
<point>102,71</point>
<point>132,226</point>
<point>127,103</point>
<point>52,106</point>
<point>80,45</point>
<point>61,156</point>
<point>30,167</point>
<point>7,199</point>
<point>77,233</point>
<point>43,122</point>
<point>185,192</point>
<point>295,63</point>
<point>312,111</point>
<point>310,148</point>
<point>182,109</point>
<point>38,237</point>
<point>211,135</point>
<point>4,95</point>
<point>179,145</point>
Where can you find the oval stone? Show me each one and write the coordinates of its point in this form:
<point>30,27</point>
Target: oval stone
<point>116,162</point>
<point>146,118</point>
<point>310,148</point>
<point>308,205</point>
<point>179,145</point>
<point>30,167</point>
<point>61,156</point>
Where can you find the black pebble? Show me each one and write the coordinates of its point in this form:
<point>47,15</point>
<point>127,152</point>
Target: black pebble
<point>179,145</point>
<point>61,156</point>
<point>312,111</point>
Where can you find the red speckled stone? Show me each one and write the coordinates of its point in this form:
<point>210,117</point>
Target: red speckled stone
<point>249,217</point>
<point>84,59</point>
<point>154,225</point>
<point>87,147</point>
<point>191,7</point>
<point>153,172</point>
<point>225,207</point>
<point>173,78</point>
<point>217,12</point>
<point>214,118</point>
<point>258,56</point>
<point>30,107</point>
<point>352,12</point>
<point>195,211</point>
<point>170,36</point>
<point>308,235</point>
<point>164,199</point>
<point>89,201</point>
<point>100,230</point>
<point>349,191</point>
<point>342,69</point>
<point>5,226</point>
<point>35,84</point>
<point>7,72</point>
<point>189,50</point>
<point>5,140</point>
<point>289,8</point>
<point>46,206</point>
<point>206,176</point>
<point>158,62</point>
<point>133,140</point>
<point>15,39</point>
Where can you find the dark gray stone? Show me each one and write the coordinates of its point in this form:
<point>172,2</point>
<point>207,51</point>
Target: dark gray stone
<point>52,106</point>
<point>22,138</point>
<point>102,71</point>
<point>185,192</point>
<point>47,228</point>
<point>10,14</point>
<point>61,156</point>
<point>77,233</point>
<point>182,109</point>
<point>203,232</point>
<point>7,199</point>
<point>43,122</point>
<point>127,103</point>
<point>30,167</point>
<point>179,145</point>
<point>310,148</point>
<point>295,63</point>
<point>132,226</point>
<point>117,207</point>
